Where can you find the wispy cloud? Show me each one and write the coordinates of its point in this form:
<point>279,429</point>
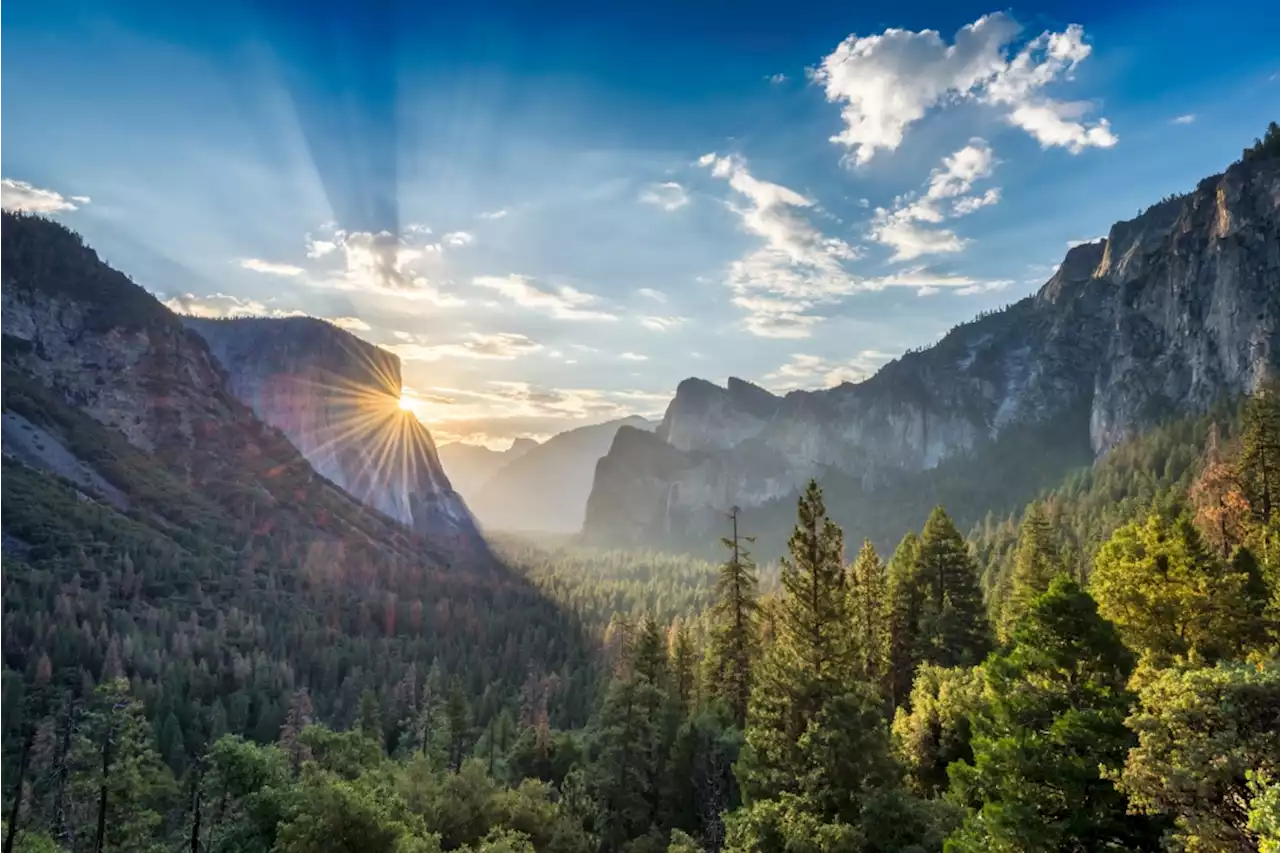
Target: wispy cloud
<point>1185,119</point>
<point>223,305</point>
<point>650,293</point>
<point>22,196</point>
<point>811,371</point>
<point>661,324</point>
<point>495,214</point>
<point>499,346</point>
<point>561,303</point>
<point>669,196</point>
<point>270,267</point>
<point>797,267</point>
<point>904,227</point>
<point>633,356</point>
<point>886,82</point>
<point>777,79</point>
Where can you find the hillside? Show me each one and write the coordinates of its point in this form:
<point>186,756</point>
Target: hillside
<point>187,546</point>
<point>470,466</point>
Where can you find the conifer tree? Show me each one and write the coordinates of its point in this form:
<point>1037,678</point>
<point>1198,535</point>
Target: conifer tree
<point>953,623</point>
<point>809,662</point>
<point>903,602</point>
<point>1035,564</point>
<point>296,719</point>
<point>1053,716</point>
<point>870,616</point>
<point>681,665</point>
<point>649,659</point>
<point>736,637</point>
<point>625,749</point>
<point>457,714</point>
<point>1260,455</point>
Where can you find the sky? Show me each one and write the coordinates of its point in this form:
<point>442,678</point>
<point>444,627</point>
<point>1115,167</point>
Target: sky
<point>555,212</point>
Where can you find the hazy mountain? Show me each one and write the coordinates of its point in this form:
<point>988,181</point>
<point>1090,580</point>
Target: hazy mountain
<point>470,466</point>
<point>1174,309</point>
<point>546,487</point>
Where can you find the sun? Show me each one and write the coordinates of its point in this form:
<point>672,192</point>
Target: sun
<point>406,402</point>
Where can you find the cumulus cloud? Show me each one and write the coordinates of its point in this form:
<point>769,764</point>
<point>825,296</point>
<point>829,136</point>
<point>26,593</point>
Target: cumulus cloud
<point>498,346</point>
<point>669,196</point>
<point>388,264</point>
<point>904,227</point>
<point>270,267</point>
<point>811,371</point>
<point>796,268</point>
<point>884,83</point>
<point>22,196</point>
<point>223,305</point>
<point>458,238</point>
<point>562,303</point>
<point>661,324</point>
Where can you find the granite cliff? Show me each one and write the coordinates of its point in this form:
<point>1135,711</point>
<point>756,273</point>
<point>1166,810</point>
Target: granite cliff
<point>1174,309</point>
<point>337,398</point>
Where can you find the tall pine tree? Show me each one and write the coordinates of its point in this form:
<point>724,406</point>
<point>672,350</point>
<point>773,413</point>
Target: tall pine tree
<point>869,614</point>
<point>735,635</point>
<point>953,623</point>
<point>903,601</point>
<point>1035,564</point>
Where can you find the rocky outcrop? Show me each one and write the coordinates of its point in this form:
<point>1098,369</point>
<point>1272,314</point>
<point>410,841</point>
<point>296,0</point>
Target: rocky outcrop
<point>337,398</point>
<point>1175,308</point>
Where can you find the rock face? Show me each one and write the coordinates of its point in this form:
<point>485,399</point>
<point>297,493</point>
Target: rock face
<point>470,466</point>
<point>1174,309</point>
<point>337,398</point>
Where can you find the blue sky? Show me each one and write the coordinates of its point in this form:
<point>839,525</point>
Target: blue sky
<point>554,213</point>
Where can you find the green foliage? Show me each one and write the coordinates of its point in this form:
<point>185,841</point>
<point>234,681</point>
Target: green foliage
<point>1036,562</point>
<point>1054,714</point>
<point>735,637</point>
<point>953,623</point>
<point>1264,812</point>
<point>869,611</point>
<point>936,731</point>
<point>1202,734</point>
<point>1171,597</point>
<point>1268,147</point>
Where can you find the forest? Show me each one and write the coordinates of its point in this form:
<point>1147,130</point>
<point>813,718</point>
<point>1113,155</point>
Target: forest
<point>1095,672</point>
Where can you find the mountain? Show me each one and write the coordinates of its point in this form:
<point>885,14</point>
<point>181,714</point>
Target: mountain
<point>546,488</point>
<point>1174,309</point>
<point>154,528</point>
<point>337,399</point>
<point>470,466</point>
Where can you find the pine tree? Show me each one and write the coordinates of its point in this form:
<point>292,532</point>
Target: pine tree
<point>649,660</point>
<point>681,665</point>
<point>1035,564</point>
<point>953,624</point>
<point>903,602</point>
<point>736,635</point>
<point>869,614</point>
<point>296,719</point>
<point>809,662</point>
<point>457,714</point>
<point>1054,715</point>
<point>624,752</point>
<point>1260,457</point>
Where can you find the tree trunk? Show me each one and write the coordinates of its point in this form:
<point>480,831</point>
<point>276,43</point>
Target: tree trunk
<point>100,837</point>
<point>11,830</point>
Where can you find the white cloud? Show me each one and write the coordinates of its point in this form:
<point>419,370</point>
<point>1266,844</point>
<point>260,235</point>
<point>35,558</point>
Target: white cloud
<point>650,293</point>
<point>351,324</point>
<point>797,267</point>
<point>886,82</point>
<point>1071,244</point>
<point>386,264</point>
<point>499,346</point>
<point>495,214</point>
<point>223,305</point>
<point>669,196</point>
<point>270,267</point>
<point>900,228</point>
<point>811,371</point>
<point>562,303</point>
<point>1186,119</point>
<point>661,324</point>
<point>927,282</point>
<point>777,79</point>
<point>458,238</point>
<point>22,196</point>
<point>633,356</point>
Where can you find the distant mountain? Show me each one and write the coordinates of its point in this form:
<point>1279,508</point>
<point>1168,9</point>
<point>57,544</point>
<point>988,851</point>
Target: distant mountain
<point>1172,311</point>
<point>470,466</point>
<point>546,487</point>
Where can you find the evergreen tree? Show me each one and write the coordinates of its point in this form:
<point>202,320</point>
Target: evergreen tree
<point>1260,456</point>
<point>625,752</point>
<point>936,731</point>
<point>1054,714</point>
<point>298,717</point>
<point>903,602</point>
<point>953,624</point>
<point>735,634</point>
<point>1035,563</point>
<point>1171,596</point>
<point>681,665</point>
<point>870,615</point>
<point>457,713</point>
<point>649,660</point>
<point>369,721</point>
